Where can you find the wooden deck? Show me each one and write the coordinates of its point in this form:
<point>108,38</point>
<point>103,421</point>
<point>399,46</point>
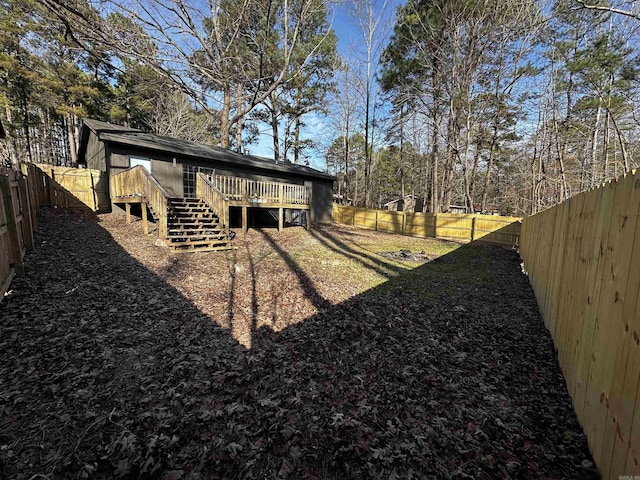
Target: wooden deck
<point>219,192</point>
<point>245,193</point>
<point>242,192</point>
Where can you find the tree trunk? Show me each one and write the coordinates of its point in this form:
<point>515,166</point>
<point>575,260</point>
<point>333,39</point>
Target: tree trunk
<point>487,176</point>
<point>274,128</point>
<point>73,153</point>
<point>240,120</point>
<point>296,140</point>
<point>435,133</point>
<point>346,157</point>
<point>225,124</point>
<point>594,147</point>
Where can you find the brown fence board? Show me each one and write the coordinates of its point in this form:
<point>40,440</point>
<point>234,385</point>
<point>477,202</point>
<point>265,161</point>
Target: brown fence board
<point>391,222</point>
<point>504,231</point>
<point>74,188</point>
<point>420,224</point>
<point>583,262</point>
<point>626,281</point>
<point>365,218</point>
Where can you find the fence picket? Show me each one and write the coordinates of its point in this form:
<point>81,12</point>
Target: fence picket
<point>587,283</point>
<point>503,231</point>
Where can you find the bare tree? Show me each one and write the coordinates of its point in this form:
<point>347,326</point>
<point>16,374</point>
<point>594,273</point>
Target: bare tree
<point>227,55</point>
<point>372,19</point>
<point>174,115</point>
<point>606,8</point>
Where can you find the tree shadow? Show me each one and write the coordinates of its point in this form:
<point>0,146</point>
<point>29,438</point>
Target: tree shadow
<point>306,283</point>
<point>444,371</point>
<point>372,262</point>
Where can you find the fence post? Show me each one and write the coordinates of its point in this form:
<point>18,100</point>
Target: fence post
<point>376,220</point>
<point>473,228</point>
<point>25,208</point>
<point>15,250</point>
<point>435,226</point>
<point>404,222</point>
<point>50,181</point>
<point>93,191</point>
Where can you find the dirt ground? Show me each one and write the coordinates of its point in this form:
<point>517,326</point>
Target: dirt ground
<point>300,355</point>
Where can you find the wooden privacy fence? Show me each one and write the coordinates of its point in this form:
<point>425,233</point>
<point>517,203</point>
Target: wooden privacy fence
<point>503,231</point>
<point>22,193</point>
<point>583,262</point>
<point>18,210</point>
<point>74,188</point>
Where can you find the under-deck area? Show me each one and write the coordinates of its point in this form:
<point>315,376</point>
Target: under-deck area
<point>203,222</point>
<point>290,202</point>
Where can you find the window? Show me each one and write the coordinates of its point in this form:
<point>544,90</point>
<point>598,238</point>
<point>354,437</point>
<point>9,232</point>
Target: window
<point>189,178</point>
<point>145,162</point>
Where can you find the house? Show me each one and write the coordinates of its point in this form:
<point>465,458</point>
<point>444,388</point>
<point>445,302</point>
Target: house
<point>457,209</point>
<point>185,177</point>
<point>341,199</point>
<point>410,203</point>
<point>490,209</point>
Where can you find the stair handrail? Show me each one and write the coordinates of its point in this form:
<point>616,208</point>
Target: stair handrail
<point>137,181</point>
<point>217,201</point>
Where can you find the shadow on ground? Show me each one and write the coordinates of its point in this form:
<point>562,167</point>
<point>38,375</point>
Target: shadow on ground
<point>445,371</point>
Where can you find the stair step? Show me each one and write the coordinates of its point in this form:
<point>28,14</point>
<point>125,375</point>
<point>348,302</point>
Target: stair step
<point>189,209</point>
<point>192,226</point>
<point>185,199</point>
<point>193,220</point>
<point>197,237</point>
<point>194,231</point>
<point>192,214</point>
<point>206,245</point>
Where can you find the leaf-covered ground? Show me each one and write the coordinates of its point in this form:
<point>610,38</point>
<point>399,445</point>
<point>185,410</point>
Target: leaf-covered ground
<point>300,355</point>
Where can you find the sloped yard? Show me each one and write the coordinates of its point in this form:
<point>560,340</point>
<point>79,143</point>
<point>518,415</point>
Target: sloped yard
<point>300,355</point>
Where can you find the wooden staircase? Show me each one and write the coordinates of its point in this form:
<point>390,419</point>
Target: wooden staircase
<point>193,227</point>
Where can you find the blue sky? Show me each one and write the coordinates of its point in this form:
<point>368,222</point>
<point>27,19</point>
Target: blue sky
<point>349,39</point>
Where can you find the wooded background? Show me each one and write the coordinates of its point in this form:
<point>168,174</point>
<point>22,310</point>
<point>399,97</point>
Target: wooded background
<point>513,103</point>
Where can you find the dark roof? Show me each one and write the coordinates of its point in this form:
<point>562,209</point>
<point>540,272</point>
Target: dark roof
<point>118,134</point>
<point>417,197</point>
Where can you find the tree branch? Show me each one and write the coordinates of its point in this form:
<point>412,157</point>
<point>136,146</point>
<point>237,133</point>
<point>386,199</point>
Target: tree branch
<point>601,8</point>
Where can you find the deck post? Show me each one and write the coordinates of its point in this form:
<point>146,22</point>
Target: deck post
<point>308,219</point>
<point>127,211</point>
<point>244,220</point>
<point>145,223</point>
<point>280,219</point>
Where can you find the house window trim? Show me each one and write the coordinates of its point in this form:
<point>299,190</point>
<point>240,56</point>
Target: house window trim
<point>140,158</point>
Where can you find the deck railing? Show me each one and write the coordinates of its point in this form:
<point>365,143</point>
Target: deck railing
<point>136,181</point>
<point>214,198</point>
<point>238,189</point>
